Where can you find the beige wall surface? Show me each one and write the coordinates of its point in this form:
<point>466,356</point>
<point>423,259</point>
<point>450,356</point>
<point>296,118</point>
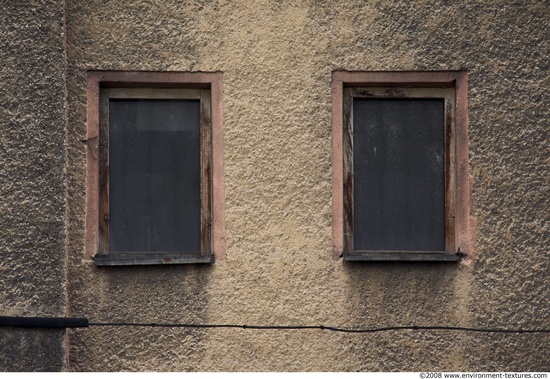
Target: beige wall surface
<point>277,58</point>
<point>32,181</point>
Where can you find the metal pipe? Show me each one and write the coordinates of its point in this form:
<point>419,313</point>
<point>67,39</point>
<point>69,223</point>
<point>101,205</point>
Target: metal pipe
<point>44,322</point>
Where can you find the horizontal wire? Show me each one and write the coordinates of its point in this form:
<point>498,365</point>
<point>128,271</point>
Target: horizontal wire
<point>320,327</point>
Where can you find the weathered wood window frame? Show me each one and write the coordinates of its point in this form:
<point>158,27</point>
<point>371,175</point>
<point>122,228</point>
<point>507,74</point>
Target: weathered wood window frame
<point>449,86</point>
<point>204,87</point>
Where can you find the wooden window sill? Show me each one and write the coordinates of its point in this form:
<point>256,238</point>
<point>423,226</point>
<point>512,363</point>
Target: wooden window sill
<point>140,258</point>
<point>420,256</point>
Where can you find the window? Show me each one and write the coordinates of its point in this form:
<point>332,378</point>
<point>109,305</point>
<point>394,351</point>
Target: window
<point>154,169</point>
<point>400,166</point>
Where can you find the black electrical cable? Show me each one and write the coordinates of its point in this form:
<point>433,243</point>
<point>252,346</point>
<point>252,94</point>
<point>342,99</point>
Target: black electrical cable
<point>321,327</point>
<point>68,322</point>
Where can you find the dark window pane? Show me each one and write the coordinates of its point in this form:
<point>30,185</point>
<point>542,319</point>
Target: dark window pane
<point>399,174</point>
<point>154,175</point>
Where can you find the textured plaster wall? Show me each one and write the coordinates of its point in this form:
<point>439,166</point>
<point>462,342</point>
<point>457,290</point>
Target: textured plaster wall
<point>32,180</point>
<point>277,58</point>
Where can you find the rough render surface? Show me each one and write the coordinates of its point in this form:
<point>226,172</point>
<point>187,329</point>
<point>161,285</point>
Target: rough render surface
<point>32,181</point>
<point>277,58</point>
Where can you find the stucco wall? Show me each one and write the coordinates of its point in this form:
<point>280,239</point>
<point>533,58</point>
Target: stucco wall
<point>32,180</point>
<point>277,59</point>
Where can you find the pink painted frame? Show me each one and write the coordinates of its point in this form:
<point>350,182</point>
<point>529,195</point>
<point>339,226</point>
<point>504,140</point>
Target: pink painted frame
<point>99,79</point>
<point>454,79</point>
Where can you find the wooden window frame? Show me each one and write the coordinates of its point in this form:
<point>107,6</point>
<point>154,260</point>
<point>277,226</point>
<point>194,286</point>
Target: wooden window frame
<point>448,85</point>
<point>106,85</point>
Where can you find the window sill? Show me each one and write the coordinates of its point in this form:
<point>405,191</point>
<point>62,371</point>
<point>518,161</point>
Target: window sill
<point>137,259</point>
<point>384,256</point>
